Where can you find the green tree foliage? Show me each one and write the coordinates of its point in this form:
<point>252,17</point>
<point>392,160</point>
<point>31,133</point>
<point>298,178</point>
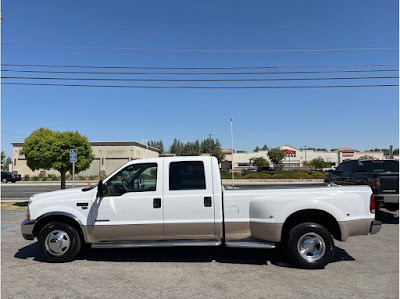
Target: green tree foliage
<point>197,147</point>
<point>3,157</point>
<point>217,153</point>
<point>259,161</point>
<point>46,149</point>
<point>319,163</point>
<point>396,152</point>
<point>158,145</point>
<point>257,149</point>
<point>7,164</point>
<point>276,156</point>
<point>265,147</point>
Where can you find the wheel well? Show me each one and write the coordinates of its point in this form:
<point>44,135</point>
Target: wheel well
<point>59,218</point>
<point>317,216</point>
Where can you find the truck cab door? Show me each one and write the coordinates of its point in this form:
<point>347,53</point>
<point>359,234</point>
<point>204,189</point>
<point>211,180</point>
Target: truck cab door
<point>188,200</point>
<point>131,208</point>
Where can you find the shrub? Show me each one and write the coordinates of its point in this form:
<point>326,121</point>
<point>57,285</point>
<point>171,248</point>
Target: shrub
<point>54,178</point>
<point>318,175</point>
<point>26,177</point>
<point>257,175</point>
<point>35,178</point>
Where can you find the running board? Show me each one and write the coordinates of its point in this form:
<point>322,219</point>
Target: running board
<point>250,243</point>
<point>162,243</point>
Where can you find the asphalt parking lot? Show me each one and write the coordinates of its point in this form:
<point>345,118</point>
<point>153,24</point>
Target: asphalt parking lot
<point>363,267</point>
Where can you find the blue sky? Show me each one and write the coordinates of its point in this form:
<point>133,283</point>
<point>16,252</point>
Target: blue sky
<point>361,118</point>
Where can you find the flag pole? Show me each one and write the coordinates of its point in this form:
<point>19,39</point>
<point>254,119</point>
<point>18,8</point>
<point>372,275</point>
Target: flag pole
<point>233,160</point>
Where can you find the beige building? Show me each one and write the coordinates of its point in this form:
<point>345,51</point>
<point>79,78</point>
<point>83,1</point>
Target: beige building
<point>294,157</point>
<point>109,155</point>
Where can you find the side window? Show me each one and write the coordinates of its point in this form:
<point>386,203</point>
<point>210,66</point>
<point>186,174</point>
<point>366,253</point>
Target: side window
<point>361,166</point>
<point>341,167</point>
<point>349,167</point>
<point>133,178</point>
<point>187,175</point>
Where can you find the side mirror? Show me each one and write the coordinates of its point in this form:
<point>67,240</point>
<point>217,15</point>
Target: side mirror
<point>100,190</point>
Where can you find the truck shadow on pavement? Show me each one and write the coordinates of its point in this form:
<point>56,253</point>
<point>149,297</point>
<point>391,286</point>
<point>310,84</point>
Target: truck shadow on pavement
<point>220,254</point>
<point>387,216</point>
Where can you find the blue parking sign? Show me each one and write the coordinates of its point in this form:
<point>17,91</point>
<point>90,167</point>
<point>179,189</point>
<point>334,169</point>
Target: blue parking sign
<point>73,155</point>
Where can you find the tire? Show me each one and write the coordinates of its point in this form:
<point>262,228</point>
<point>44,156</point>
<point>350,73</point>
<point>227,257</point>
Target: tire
<point>4,181</point>
<point>65,246</point>
<point>13,182</point>
<point>310,246</point>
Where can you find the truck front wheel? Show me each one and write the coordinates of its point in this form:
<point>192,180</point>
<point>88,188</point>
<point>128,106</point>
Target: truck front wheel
<point>58,242</point>
<point>310,246</point>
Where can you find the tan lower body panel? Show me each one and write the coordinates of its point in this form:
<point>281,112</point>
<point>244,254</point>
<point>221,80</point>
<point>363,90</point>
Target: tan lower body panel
<point>354,228</point>
<point>257,230</point>
<point>174,231</point>
<point>126,232</point>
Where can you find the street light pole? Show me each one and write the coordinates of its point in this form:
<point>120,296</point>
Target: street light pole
<point>233,159</point>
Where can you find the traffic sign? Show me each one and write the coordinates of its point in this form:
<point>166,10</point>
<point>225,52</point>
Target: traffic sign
<point>73,155</point>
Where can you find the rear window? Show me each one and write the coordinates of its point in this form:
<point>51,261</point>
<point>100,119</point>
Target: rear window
<point>187,175</point>
<point>371,166</point>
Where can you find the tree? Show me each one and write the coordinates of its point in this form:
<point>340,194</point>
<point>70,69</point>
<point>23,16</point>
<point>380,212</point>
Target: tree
<point>259,161</point>
<point>158,145</point>
<point>7,164</point>
<point>3,157</point>
<point>396,152</point>
<point>276,156</point>
<point>47,149</point>
<point>265,147</point>
<point>257,149</point>
<point>319,163</point>
<point>218,154</point>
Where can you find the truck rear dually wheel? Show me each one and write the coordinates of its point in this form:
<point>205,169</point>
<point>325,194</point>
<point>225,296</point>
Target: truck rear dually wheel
<point>310,246</point>
<point>59,242</point>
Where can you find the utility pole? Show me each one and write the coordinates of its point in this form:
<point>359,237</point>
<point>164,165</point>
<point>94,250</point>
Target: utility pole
<point>233,160</point>
<point>391,152</point>
<point>209,143</point>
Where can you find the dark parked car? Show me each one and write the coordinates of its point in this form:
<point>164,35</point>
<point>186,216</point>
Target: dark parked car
<point>264,168</point>
<point>7,176</point>
<point>382,175</point>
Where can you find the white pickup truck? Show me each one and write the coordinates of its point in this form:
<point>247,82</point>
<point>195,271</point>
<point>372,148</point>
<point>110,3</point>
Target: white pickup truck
<point>180,201</point>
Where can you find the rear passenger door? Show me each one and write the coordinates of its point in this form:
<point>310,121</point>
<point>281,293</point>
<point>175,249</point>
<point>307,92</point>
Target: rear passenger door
<point>188,200</point>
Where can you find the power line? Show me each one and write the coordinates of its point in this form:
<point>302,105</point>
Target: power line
<point>198,50</point>
<point>199,73</point>
<point>193,67</point>
<point>201,80</point>
<point>203,87</point>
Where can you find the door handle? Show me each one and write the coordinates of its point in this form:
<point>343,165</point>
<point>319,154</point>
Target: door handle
<point>157,203</point>
<point>207,201</point>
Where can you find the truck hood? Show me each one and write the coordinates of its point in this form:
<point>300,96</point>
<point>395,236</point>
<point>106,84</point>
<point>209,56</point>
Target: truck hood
<point>63,194</point>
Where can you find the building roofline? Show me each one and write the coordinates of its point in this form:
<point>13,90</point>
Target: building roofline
<point>110,143</point>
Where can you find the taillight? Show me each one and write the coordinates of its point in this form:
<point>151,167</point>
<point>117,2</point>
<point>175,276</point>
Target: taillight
<point>376,183</point>
<point>372,204</point>
<point>13,176</point>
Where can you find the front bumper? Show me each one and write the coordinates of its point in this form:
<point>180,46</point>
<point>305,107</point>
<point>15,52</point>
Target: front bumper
<point>375,227</point>
<point>27,229</point>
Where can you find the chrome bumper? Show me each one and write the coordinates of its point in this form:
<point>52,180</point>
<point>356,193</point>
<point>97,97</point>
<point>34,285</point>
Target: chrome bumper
<point>388,198</point>
<point>375,227</point>
<point>27,229</point>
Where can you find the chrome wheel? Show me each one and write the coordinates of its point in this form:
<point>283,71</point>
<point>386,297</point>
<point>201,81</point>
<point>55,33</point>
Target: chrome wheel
<point>57,242</point>
<point>4,180</point>
<point>311,247</point>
